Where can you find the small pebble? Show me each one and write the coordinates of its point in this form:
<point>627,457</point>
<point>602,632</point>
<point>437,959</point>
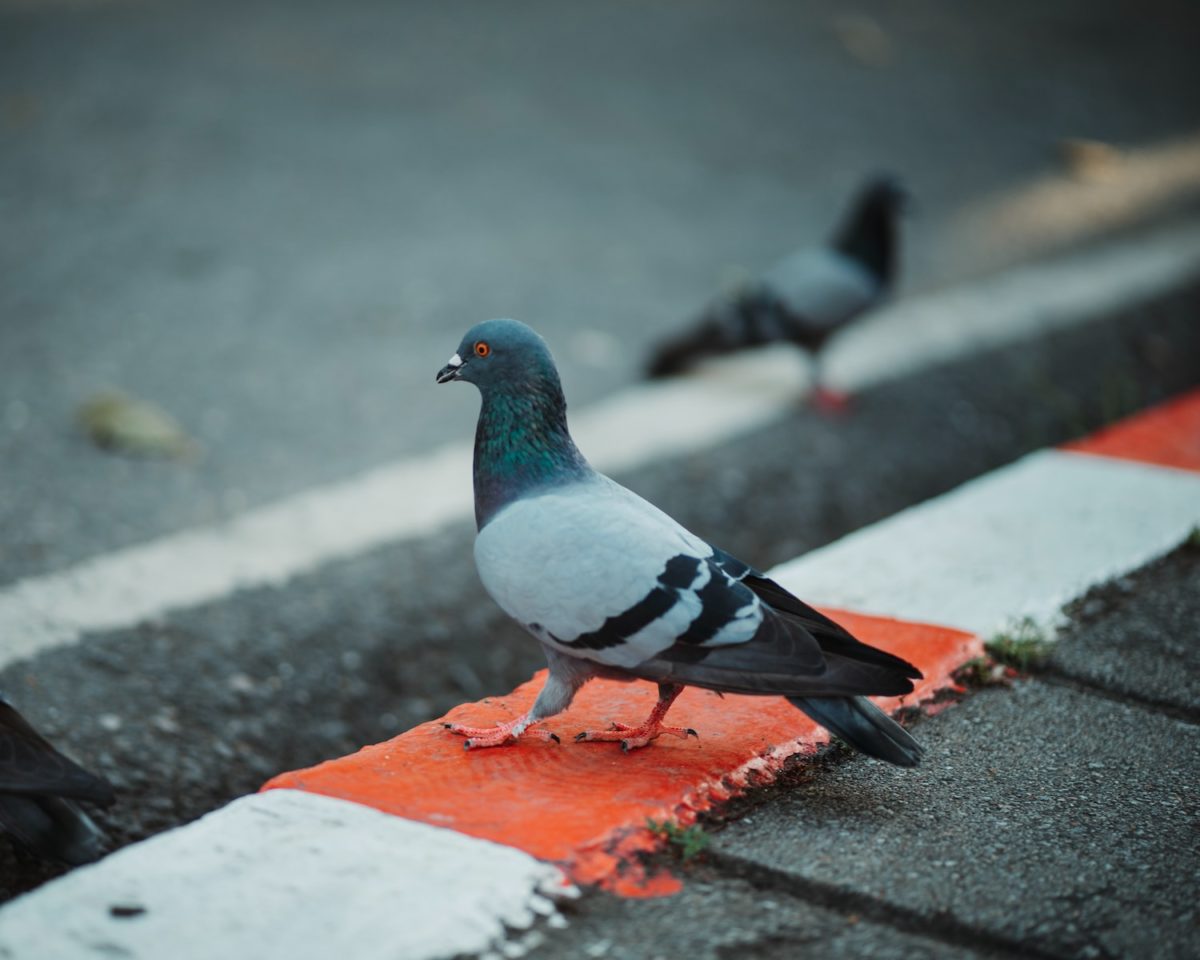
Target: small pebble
<point>110,722</point>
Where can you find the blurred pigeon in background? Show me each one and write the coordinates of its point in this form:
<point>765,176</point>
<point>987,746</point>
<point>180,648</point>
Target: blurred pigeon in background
<point>38,787</point>
<point>806,297</point>
<point>613,587</point>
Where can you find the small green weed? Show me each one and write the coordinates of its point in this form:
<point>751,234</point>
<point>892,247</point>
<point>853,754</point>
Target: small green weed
<point>1193,539</point>
<point>1022,647</point>
<point>982,672</point>
<point>688,841</point>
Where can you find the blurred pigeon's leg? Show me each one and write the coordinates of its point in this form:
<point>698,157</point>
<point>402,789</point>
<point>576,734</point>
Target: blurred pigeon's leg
<point>825,399</point>
<point>633,737</point>
<point>830,402</point>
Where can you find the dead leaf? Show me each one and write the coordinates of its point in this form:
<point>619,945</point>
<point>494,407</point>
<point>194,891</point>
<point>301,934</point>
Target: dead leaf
<point>123,424</point>
<point>864,39</point>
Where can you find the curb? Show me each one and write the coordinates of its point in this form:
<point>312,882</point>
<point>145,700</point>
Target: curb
<point>585,807</point>
<point>389,852</point>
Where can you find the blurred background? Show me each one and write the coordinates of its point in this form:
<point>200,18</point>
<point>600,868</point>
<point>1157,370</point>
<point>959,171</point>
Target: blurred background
<point>243,236</point>
<point>275,219</point>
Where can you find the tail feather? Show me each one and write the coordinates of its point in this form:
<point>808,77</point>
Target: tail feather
<point>864,726</point>
<point>675,355</point>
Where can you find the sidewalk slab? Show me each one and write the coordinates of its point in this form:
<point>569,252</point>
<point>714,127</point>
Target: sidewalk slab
<point>1062,821</point>
<point>1138,636</point>
<point>721,918</point>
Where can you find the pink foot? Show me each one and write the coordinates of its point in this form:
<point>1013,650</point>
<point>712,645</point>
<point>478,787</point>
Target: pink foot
<point>500,734</point>
<point>633,737</point>
<point>830,402</point>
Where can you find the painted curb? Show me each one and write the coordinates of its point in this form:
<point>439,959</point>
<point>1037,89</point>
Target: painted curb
<point>1013,545</point>
<point>1167,436</point>
<point>585,806</point>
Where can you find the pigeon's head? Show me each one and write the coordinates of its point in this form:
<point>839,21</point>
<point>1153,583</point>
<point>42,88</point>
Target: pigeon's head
<point>885,192</point>
<point>498,352</point>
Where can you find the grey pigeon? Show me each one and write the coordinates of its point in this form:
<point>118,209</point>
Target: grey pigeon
<point>613,587</point>
<point>38,790</point>
<point>805,298</point>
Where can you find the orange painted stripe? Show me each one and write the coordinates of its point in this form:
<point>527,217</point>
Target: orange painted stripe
<point>585,806</point>
<point>1167,435</point>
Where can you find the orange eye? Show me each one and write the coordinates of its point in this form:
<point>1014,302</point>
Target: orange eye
<point>482,349</point>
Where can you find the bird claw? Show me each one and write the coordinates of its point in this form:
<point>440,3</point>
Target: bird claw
<point>488,738</point>
<point>499,735</point>
<point>633,738</point>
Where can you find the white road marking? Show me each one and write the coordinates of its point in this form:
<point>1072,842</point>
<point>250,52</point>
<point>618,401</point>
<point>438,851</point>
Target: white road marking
<point>288,875</point>
<point>415,497</point>
<point>1019,542</point>
<point>264,546</point>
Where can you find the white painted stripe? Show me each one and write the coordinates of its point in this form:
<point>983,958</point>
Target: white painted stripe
<point>263,546</point>
<point>288,875</point>
<point>412,498</point>
<point>1019,542</point>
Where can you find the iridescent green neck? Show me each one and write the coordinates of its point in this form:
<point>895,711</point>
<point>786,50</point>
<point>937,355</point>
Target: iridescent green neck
<point>522,445</point>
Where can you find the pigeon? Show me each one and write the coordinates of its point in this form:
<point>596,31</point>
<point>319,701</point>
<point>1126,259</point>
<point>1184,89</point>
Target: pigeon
<point>806,297</point>
<point>613,587</point>
<point>38,790</point>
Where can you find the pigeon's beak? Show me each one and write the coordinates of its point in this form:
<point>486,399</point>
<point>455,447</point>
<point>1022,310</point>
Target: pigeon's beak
<point>451,370</point>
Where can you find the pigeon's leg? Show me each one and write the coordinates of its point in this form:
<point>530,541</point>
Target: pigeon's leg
<point>633,737</point>
<point>825,399</point>
<point>566,676</point>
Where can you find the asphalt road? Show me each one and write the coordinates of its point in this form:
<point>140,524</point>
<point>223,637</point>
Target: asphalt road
<point>275,219</point>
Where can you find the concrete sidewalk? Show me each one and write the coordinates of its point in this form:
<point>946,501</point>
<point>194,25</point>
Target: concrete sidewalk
<point>1055,818</point>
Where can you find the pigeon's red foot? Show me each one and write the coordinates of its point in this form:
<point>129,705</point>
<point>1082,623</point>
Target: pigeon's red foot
<point>830,402</point>
<point>500,734</point>
<point>633,737</point>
